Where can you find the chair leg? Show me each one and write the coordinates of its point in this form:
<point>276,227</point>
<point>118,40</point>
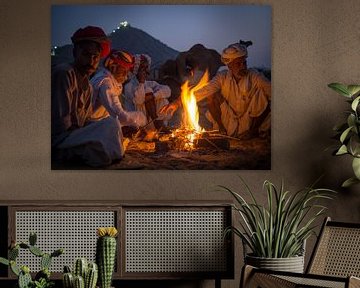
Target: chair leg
<point>217,283</point>
<point>246,273</point>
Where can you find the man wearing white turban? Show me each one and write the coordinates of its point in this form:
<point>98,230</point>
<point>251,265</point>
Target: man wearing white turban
<point>144,95</point>
<point>238,98</point>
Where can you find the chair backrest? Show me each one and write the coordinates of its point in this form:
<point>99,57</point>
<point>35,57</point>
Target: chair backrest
<point>337,251</point>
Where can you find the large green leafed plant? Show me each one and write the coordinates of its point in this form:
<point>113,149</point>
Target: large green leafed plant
<point>279,229</point>
<point>349,131</point>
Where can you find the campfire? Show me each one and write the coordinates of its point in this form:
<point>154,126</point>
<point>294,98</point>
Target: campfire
<point>191,135</point>
<point>190,130</point>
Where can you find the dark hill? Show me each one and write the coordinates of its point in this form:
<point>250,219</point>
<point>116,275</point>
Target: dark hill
<point>130,39</point>
<point>137,41</point>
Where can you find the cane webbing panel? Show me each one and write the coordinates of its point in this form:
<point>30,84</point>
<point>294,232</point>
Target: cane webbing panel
<point>267,280</point>
<point>74,231</point>
<point>338,252</point>
<point>174,241</point>
<point>313,282</point>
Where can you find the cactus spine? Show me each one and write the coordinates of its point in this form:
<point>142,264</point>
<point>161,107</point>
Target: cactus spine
<point>106,254</point>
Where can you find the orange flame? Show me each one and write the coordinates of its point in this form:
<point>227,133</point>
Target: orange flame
<point>191,111</point>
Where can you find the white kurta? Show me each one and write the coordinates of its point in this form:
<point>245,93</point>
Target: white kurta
<point>97,143</point>
<point>134,95</point>
<point>106,100</point>
<point>244,100</point>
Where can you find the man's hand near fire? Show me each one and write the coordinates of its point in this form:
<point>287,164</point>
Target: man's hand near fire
<point>170,109</point>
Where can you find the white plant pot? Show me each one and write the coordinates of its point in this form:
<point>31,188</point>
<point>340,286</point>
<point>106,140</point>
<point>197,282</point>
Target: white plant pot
<point>291,264</point>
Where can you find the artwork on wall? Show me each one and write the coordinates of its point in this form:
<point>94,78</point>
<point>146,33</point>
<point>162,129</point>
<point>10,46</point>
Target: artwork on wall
<point>168,87</point>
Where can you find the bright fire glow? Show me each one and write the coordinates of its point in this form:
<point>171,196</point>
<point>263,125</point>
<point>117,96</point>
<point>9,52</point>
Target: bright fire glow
<point>190,118</point>
<point>191,111</point>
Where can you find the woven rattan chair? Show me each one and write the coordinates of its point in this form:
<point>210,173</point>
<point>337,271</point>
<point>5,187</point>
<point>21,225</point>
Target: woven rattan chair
<point>335,262</point>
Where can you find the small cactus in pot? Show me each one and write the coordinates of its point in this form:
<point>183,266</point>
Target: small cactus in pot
<point>85,275</point>
<point>106,254</point>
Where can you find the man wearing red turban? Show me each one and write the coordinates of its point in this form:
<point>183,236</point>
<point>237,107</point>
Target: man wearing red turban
<point>97,143</point>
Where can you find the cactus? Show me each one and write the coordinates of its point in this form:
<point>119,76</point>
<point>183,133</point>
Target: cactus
<point>24,280</point>
<point>68,280</point>
<point>89,272</point>
<point>4,261</point>
<point>44,273</point>
<point>79,282</point>
<point>67,269</point>
<point>80,268</point>
<point>42,278</point>
<point>45,261</point>
<point>105,254</point>
<point>32,239</point>
<point>91,276</point>
<point>57,252</point>
<point>24,245</point>
<point>14,268</point>
<point>36,251</point>
<point>13,253</point>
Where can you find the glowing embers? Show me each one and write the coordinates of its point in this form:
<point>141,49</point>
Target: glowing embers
<point>184,139</point>
<point>189,140</point>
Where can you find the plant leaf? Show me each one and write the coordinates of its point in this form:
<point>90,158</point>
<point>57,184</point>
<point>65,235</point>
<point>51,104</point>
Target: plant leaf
<point>349,182</point>
<point>340,88</point>
<point>354,146</point>
<point>345,134</point>
<point>280,228</point>
<point>342,150</point>
<point>353,89</point>
<point>355,103</point>
<point>351,119</point>
<point>340,127</point>
<point>356,167</point>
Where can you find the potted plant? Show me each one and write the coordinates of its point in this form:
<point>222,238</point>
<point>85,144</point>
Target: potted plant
<point>276,233</point>
<point>106,254</point>
<point>348,133</point>
<point>42,278</point>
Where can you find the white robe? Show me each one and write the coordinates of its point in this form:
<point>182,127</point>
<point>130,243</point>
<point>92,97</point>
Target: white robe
<point>97,143</point>
<point>134,95</point>
<point>244,100</point>
<point>106,100</point>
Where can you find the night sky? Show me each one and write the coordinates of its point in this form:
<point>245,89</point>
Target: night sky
<point>178,26</point>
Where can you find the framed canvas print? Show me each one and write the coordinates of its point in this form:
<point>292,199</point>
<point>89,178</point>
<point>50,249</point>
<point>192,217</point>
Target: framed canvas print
<point>169,87</point>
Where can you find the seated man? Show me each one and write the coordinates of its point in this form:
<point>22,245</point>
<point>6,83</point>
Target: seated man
<point>72,136</point>
<point>143,95</point>
<point>107,85</point>
<point>238,98</point>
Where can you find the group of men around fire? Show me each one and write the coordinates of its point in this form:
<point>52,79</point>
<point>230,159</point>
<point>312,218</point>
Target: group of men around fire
<point>92,104</point>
